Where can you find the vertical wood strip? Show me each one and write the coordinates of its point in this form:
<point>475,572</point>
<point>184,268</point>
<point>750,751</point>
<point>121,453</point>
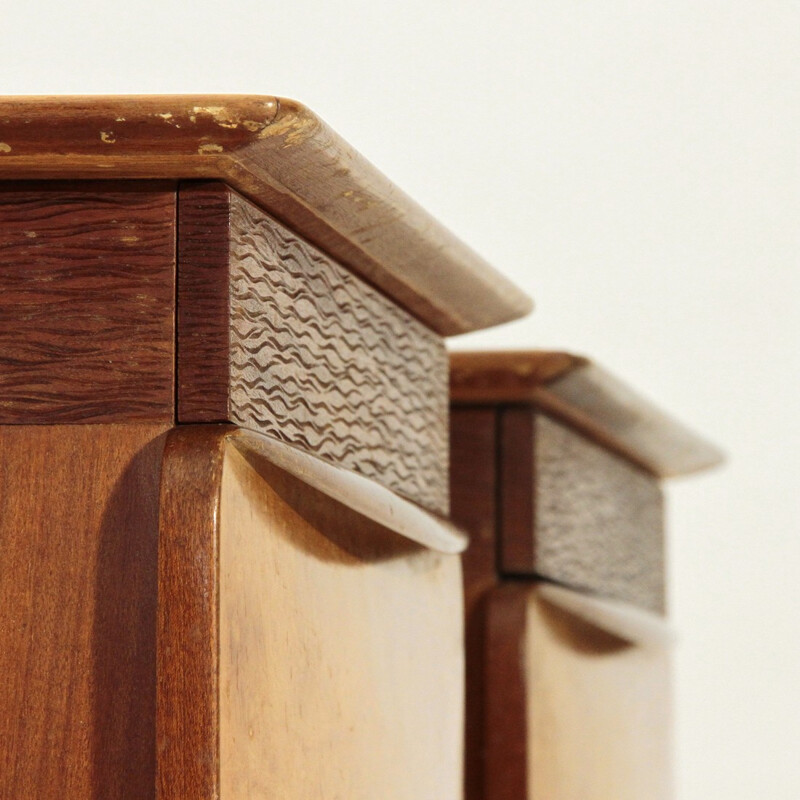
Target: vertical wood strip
<point>473,488</point>
<point>518,497</point>
<point>187,723</point>
<point>506,694</point>
<point>203,337</point>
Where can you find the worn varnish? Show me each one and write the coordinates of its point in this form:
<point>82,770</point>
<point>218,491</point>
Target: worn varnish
<point>276,337</point>
<point>87,284</point>
<point>78,535</point>
<point>290,163</point>
<point>585,397</point>
<point>350,654</point>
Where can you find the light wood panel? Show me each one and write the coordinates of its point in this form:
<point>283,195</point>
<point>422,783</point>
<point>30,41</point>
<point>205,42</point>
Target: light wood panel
<point>340,653</point>
<point>289,162</point>
<point>597,708</point>
<point>322,652</point>
<point>78,537</point>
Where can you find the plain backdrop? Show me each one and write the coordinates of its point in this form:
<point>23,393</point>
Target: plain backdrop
<point>634,166</point>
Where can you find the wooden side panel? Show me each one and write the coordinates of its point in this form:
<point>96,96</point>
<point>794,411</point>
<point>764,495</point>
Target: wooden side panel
<point>473,488</point>
<point>87,284</point>
<point>579,515</point>
<point>78,537</point>
<point>315,357</point>
<point>598,711</point>
<point>341,655</point>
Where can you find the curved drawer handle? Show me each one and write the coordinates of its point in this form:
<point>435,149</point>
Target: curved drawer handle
<point>362,495</point>
<point>619,619</point>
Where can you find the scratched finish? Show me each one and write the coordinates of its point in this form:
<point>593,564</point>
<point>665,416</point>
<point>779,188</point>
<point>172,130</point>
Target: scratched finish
<point>277,337</point>
<point>87,287</point>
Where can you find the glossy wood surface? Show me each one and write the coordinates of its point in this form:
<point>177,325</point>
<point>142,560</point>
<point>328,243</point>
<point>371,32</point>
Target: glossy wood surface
<point>586,397</point>
<point>87,285</point>
<point>301,632</point>
<point>275,336</point>
<point>78,535</point>
<point>341,656</point>
<point>290,163</point>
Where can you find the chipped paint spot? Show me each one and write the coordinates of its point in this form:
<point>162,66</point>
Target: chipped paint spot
<point>129,239</point>
<point>120,119</point>
<point>109,137</point>
<point>209,148</point>
<point>253,126</point>
<point>31,234</point>
<point>5,148</point>
<point>167,116</point>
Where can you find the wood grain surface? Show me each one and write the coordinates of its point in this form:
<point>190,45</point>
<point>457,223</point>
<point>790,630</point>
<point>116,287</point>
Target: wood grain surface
<point>276,337</point>
<point>187,721</point>
<point>473,496</point>
<point>285,159</point>
<point>87,283</point>
<point>598,711</point>
<point>78,535</point>
<point>572,711</point>
<point>579,515</point>
<point>341,650</point>
<point>585,397</point>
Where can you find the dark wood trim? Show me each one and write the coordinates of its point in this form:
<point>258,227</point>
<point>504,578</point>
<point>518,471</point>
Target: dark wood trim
<point>506,694</point>
<point>187,649</point>
<point>586,397</point>
<point>288,161</point>
<point>203,336</point>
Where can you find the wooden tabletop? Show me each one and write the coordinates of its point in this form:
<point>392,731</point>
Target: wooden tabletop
<point>589,399</point>
<point>284,158</point>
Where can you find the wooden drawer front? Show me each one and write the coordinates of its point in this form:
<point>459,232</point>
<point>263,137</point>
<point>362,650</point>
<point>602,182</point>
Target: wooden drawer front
<point>277,337</point>
<point>573,712</point>
<point>340,652</point>
<point>577,513</point>
<point>304,651</point>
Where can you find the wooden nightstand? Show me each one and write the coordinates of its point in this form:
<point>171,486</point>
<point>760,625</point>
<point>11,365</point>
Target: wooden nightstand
<point>556,470</point>
<point>227,568</point>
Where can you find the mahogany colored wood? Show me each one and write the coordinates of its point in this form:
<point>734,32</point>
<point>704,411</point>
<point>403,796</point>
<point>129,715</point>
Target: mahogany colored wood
<point>187,710</point>
<point>283,157</point>
<point>302,633</point>
<point>473,486</point>
<point>87,283</point>
<point>587,398</point>
<point>506,737</point>
<point>276,337</point>
<point>78,536</point>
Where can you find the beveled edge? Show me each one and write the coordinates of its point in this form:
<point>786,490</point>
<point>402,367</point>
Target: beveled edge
<point>362,495</point>
<point>284,158</point>
<point>587,398</point>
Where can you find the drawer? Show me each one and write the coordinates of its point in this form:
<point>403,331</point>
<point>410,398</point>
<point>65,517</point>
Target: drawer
<point>578,698</point>
<point>556,472</point>
<point>330,658</point>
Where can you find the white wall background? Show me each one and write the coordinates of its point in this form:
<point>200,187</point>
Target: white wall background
<point>633,165</point>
